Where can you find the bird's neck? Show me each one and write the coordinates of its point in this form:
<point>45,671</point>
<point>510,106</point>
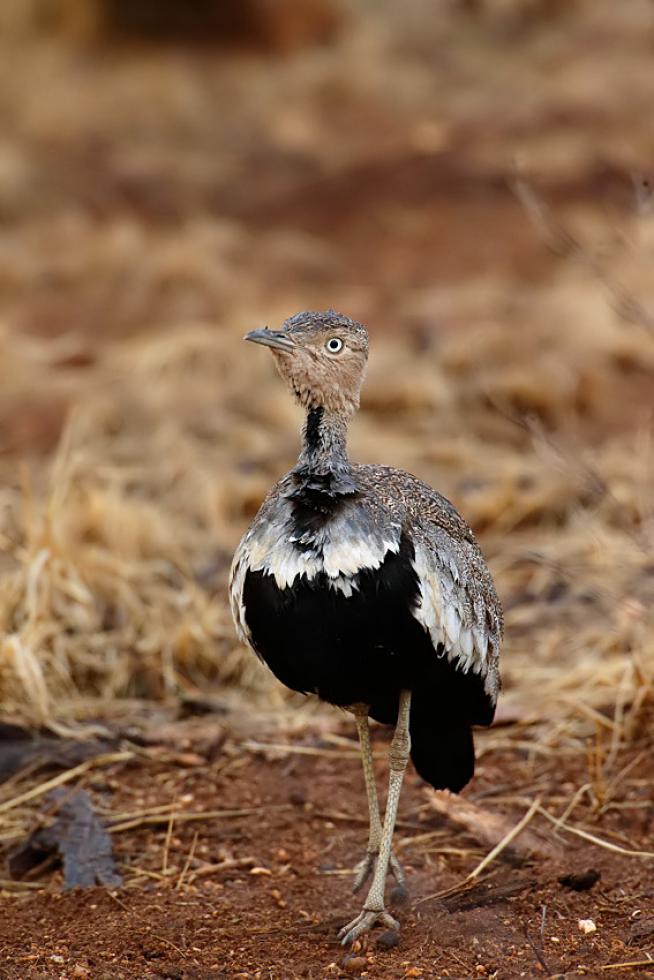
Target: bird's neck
<point>323,466</point>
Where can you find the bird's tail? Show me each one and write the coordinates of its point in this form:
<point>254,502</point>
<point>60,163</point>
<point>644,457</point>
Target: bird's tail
<point>442,749</point>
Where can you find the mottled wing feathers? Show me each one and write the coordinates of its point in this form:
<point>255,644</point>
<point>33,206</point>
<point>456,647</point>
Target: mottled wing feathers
<point>458,604</point>
<point>236,582</point>
<point>456,612</point>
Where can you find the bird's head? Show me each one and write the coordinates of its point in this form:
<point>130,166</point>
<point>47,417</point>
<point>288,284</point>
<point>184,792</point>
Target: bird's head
<point>321,356</point>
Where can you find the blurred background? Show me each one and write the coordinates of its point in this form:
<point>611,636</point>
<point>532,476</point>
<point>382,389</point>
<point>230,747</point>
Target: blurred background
<point>469,179</point>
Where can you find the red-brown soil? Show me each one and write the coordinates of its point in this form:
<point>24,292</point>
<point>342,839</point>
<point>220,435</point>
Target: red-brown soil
<point>273,909</point>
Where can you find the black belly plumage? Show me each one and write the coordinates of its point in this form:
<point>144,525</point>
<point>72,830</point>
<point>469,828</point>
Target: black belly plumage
<point>365,648</point>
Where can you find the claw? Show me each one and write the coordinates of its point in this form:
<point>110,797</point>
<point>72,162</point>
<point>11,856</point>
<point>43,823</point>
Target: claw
<point>364,921</point>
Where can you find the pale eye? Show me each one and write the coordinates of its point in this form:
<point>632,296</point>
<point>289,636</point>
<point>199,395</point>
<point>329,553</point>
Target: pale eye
<point>334,345</point>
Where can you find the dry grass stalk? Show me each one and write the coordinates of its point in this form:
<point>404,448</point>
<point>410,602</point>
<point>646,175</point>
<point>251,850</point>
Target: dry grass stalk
<point>629,964</point>
<point>492,828</point>
<point>277,749</point>
<point>594,839</point>
<point>187,863</point>
<point>508,839</point>
<point>181,817</point>
<point>64,777</point>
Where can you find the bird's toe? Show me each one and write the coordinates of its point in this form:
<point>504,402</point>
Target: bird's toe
<point>363,870</point>
<point>364,922</point>
<point>398,873</point>
<point>366,867</point>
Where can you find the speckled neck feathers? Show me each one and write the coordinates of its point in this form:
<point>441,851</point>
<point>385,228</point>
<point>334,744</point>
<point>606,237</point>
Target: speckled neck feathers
<point>323,470</point>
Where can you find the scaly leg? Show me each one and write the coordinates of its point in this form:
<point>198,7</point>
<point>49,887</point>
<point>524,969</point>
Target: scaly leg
<point>373,909</point>
<point>366,867</point>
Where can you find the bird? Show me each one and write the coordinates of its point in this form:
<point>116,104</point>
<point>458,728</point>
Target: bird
<point>362,585</point>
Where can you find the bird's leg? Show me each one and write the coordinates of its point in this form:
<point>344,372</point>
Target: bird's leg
<point>366,867</point>
<point>373,909</point>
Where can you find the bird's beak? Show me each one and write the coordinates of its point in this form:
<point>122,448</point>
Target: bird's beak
<point>271,338</point>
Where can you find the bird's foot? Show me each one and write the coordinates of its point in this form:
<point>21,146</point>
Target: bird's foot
<point>365,868</point>
<point>364,921</point>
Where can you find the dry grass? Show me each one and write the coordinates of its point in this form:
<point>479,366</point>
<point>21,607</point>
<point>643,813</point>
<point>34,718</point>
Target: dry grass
<point>115,560</point>
<point>130,274</point>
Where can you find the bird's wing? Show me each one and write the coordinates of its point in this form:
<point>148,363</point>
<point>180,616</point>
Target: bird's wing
<point>457,602</point>
<point>238,571</point>
<point>457,605</point>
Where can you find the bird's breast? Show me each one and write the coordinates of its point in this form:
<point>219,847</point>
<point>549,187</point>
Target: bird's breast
<point>338,555</point>
<point>338,550</point>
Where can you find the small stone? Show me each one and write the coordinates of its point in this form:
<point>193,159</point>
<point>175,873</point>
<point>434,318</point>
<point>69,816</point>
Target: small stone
<point>388,939</point>
<point>354,964</point>
<point>80,971</point>
<point>279,898</point>
<point>586,926</point>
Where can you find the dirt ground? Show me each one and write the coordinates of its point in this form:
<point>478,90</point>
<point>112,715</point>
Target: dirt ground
<point>474,185</point>
<point>261,889</point>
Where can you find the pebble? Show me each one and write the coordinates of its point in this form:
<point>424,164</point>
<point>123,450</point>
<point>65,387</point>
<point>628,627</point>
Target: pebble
<point>587,926</point>
<point>354,964</point>
<point>388,939</point>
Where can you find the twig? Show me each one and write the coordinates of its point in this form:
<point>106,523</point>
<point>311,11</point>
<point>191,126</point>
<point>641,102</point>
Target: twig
<point>162,939</point>
<point>592,838</point>
<point>628,965</point>
<point>506,840</point>
<point>462,886</point>
<point>276,747</point>
<point>169,834</point>
<point>65,777</point>
<point>8,885</point>
<point>420,838</point>
<point>469,880</point>
<point>142,872</point>
<point>187,863</point>
<point>115,898</point>
<point>538,949</point>
<point>226,865</point>
<point>159,818</point>
<point>613,784</point>
<point>355,818</point>
<point>147,811</point>
<point>576,798</point>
